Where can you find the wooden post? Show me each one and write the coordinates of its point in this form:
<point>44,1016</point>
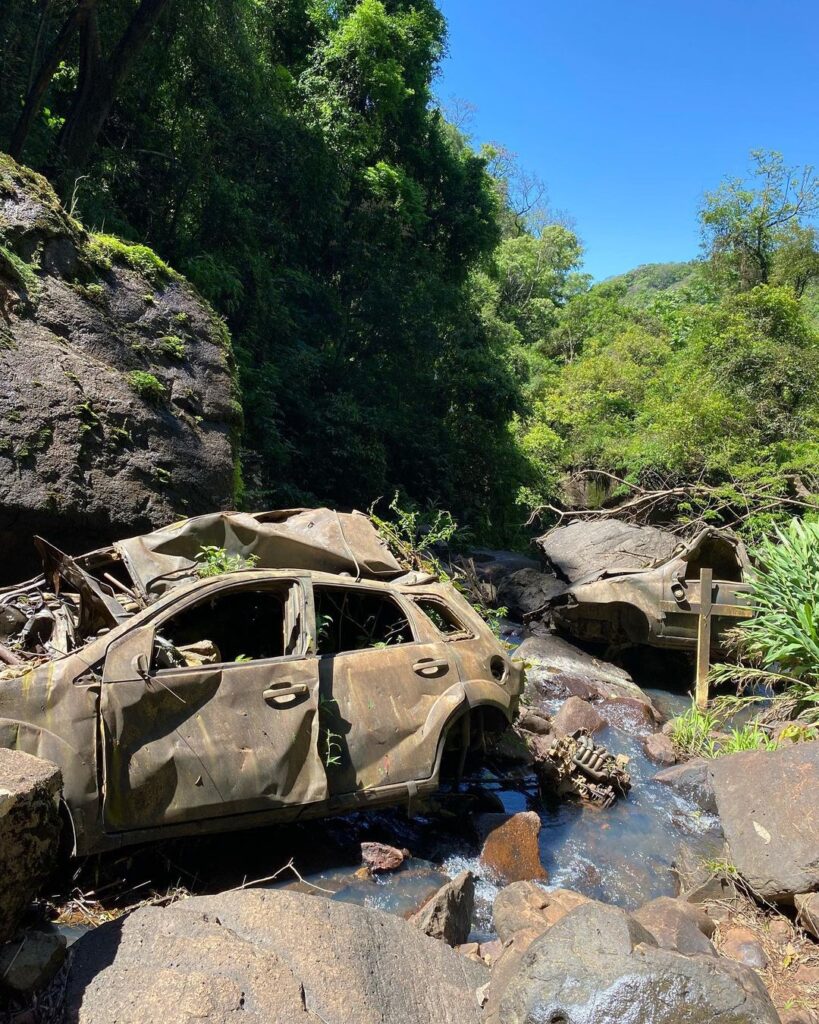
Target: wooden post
<point>704,636</point>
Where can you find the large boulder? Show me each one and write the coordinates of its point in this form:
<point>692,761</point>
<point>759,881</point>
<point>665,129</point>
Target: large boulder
<point>29,831</point>
<point>600,966</point>
<point>556,669</point>
<point>768,805</point>
<point>267,956</point>
<point>526,591</point>
<point>119,404</point>
<point>587,548</point>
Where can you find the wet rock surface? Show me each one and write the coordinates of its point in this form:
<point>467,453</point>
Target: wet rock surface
<point>575,714</point>
<point>448,915</point>
<point>768,807</point>
<point>381,857</point>
<point>692,780</point>
<point>557,669</point>
<point>268,956</point>
<point>88,451</point>
<point>599,966</point>
<point>510,846</point>
<point>29,831</point>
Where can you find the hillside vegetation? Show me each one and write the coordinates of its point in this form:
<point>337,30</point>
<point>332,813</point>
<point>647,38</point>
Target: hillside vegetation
<point>406,314</point>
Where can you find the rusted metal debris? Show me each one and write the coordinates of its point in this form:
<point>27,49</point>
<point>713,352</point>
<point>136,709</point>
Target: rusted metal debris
<point>319,678</point>
<point>576,766</point>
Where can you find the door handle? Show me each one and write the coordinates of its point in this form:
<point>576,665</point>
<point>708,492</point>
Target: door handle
<point>423,666</point>
<point>285,690</point>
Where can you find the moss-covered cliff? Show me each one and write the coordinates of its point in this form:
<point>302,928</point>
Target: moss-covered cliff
<point>118,407</point>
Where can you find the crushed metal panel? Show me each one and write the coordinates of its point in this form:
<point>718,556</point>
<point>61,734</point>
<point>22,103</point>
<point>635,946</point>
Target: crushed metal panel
<point>313,539</point>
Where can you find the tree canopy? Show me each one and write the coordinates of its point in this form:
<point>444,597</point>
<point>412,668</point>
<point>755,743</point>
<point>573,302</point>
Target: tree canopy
<point>406,311</point>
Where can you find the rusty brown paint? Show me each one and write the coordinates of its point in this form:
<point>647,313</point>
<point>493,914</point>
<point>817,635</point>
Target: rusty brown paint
<point>149,752</point>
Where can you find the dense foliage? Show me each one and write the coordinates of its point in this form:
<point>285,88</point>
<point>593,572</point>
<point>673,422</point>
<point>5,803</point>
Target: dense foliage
<point>404,313</point>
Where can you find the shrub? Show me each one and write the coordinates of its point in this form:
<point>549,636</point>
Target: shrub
<point>173,347</point>
<point>146,386</point>
<point>780,644</point>
<point>214,561</point>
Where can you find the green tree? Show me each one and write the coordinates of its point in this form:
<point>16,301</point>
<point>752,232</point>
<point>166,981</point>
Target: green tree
<point>745,221</point>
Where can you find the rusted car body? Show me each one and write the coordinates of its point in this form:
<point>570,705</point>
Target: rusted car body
<point>659,605</point>
<point>254,696</point>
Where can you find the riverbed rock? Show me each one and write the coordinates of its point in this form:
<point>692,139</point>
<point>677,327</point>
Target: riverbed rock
<point>576,713</point>
<point>676,924</point>
<point>493,566</point>
<point>584,548</point>
<point>31,961</point>
<point>659,749</point>
<point>29,831</point>
<point>268,956</point>
<point>807,912</point>
<point>381,857</point>
<point>526,591</point>
<point>692,780</point>
<point>119,405</point>
<point>767,803</point>
<point>600,966</point>
<point>534,721</point>
<point>448,915</point>
<point>742,945</point>
<point>527,906</point>
<point>702,882</point>
<point>556,669</point>
<point>510,846</point>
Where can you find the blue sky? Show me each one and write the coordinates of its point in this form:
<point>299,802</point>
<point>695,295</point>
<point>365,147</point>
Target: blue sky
<point>630,109</point>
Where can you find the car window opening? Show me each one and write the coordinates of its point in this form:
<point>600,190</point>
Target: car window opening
<point>245,625</point>
<point>717,555</point>
<point>442,618</point>
<point>356,620</point>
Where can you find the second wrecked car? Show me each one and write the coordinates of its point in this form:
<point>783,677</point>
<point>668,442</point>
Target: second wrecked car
<point>323,678</point>
<point>627,584</point>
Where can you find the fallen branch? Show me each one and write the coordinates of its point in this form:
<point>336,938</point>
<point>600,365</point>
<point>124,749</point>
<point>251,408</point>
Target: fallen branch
<point>271,878</point>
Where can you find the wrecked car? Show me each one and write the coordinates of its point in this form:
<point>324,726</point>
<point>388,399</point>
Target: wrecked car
<point>319,678</point>
<point>654,601</point>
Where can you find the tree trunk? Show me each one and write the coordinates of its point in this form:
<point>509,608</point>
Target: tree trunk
<point>100,80</point>
<point>42,80</point>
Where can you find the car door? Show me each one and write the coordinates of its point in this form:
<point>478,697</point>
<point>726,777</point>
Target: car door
<point>211,709</point>
<point>382,684</point>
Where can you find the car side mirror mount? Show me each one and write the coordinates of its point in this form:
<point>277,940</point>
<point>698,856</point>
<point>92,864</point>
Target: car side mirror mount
<point>140,666</point>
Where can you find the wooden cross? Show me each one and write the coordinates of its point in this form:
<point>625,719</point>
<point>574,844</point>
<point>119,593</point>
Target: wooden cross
<point>706,610</point>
